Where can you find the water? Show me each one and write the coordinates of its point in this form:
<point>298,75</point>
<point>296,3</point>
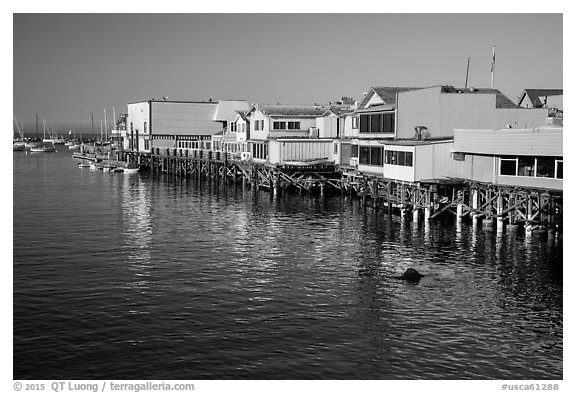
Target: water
<point>121,276</point>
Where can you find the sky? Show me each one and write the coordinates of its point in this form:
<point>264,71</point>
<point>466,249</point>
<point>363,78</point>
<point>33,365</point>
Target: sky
<point>69,66</point>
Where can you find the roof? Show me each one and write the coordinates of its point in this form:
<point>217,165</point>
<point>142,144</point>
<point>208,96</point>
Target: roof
<point>501,100</point>
<point>535,94</point>
<point>226,110</point>
<point>293,110</point>
<point>387,94</point>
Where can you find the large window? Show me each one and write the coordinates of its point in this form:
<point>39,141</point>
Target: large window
<point>377,123</point>
<point>371,155</point>
<point>402,158</point>
<point>508,166</point>
<point>279,125</point>
<point>256,125</point>
<point>260,150</point>
<point>545,167</point>
<point>529,166</point>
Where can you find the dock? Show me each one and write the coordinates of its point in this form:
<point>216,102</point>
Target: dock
<point>494,206</point>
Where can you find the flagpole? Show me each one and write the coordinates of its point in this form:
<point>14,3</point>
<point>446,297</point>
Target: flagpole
<point>467,68</point>
<point>493,65</point>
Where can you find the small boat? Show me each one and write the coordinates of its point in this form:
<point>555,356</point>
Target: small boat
<point>83,164</point>
<point>73,147</point>
<point>43,148</point>
<point>18,146</point>
<point>118,169</point>
<point>131,168</point>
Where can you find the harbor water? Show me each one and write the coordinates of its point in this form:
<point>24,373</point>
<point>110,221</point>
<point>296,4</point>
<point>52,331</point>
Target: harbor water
<point>134,276</point>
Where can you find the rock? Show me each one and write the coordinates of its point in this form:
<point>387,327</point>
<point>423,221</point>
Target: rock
<point>411,275</point>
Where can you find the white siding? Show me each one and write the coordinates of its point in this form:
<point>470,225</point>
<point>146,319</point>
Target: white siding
<point>281,151</point>
<point>539,141</point>
<point>184,118</point>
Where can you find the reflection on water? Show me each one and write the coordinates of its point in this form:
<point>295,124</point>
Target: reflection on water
<point>137,231</point>
<point>140,277</point>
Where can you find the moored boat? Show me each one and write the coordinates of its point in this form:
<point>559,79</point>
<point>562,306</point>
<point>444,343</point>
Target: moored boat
<point>18,146</point>
<point>131,168</point>
<point>43,148</point>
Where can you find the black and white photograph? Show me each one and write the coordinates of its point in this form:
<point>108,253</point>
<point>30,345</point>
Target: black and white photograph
<point>267,197</point>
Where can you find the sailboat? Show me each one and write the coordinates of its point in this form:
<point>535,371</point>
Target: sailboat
<point>53,138</point>
<point>18,143</point>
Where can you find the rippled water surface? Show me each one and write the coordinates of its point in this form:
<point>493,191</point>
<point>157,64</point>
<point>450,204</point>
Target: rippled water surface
<point>121,276</point>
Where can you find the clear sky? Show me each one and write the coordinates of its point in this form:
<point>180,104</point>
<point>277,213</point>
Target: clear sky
<point>67,66</point>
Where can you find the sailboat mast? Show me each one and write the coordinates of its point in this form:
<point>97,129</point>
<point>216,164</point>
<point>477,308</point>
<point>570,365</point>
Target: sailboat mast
<point>105,126</point>
<point>92,123</point>
<point>36,124</point>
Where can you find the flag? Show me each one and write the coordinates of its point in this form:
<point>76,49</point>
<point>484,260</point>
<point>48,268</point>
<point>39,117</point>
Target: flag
<point>492,68</point>
<point>493,58</point>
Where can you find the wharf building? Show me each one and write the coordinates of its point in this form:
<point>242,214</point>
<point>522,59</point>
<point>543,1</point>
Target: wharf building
<point>406,146</point>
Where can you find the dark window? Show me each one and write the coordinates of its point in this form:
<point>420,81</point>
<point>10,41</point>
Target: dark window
<point>354,152</point>
<point>376,156</point>
<point>377,123</point>
<point>526,166</point>
<point>403,158</point>
<point>364,123</point>
<point>389,122</point>
<point>545,167</point>
<point>364,155</point>
<point>293,125</point>
<point>409,158</point>
<point>508,167</point>
<point>559,169</point>
<point>371,155</point>
<point>279,125</point>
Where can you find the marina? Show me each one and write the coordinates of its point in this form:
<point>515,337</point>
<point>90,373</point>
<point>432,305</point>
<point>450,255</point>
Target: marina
<point>370,197</point>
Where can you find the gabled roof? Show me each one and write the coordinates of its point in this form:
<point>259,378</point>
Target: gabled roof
<point>291,110</point>
<point>535,94</point>
<point>501,100</point>
<point>387,94</point>
<point>226,110</point>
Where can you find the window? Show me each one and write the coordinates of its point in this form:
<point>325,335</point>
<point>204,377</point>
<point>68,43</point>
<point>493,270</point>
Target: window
<point>293,125</point>
<point>335,148</point>
<point>401,158</point>
<point>529,166</point>
<point>233,127</point>
<point>545,167</point>
<point>526,166</point>
<point>131,126</point>
<point>257,125</point>
<point>279,125</point>
<point>355,122</point>
<point>508,166</point>
<point>377,123</point>
<point>354,152</point>
<point>371,155</point>
<point>146,144</point>
<point>145,127</point>
<point>260,150</point>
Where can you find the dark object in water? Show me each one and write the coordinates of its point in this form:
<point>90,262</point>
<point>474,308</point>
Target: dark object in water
<point>411,275</point>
